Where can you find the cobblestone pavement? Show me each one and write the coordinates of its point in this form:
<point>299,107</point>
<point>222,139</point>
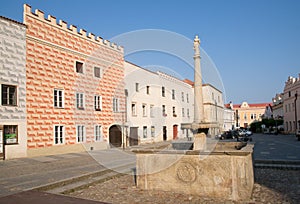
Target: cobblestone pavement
<point>271,186</point>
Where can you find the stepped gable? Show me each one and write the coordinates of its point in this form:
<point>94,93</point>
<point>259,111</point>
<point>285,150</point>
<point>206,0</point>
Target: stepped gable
<point>72,29</point>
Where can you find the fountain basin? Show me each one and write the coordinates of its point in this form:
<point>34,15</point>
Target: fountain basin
<point>223,173</point>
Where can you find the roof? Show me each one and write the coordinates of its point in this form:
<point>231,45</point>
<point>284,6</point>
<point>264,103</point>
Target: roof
<point>11,20</point>
<point>253,105</point>
<point>188,82</point>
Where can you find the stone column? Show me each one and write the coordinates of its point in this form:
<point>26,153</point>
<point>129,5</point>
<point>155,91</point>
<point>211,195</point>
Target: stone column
<point>198,95</point>
<point>200,141</point>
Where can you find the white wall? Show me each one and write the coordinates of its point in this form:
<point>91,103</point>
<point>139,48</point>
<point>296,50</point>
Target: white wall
<point>13,72</point>
<point>155,81</point>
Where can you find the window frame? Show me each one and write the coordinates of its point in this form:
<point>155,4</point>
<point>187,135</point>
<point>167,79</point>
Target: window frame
<point>145,132</point>
<point>80,138</point>
<point>100,72</point>
<point>173,94</point>
<point>116,105</point>
<point>57,97</point>
<point>163,91</point>
<point>6,140</point>
<point>144,109</point>
<point>98,129</point>
<point>133,109</point>
<point>61,137</point>
<point>14,96</point>
<point>82,67</point>
<point>81,100</point>
<point>97,102</point>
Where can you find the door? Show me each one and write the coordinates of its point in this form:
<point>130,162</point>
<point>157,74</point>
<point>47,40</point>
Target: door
<point>1,145</point>
<point>115,136</point>
<point>164,133</point>
<point>175,132</point>
<point>133,137</point>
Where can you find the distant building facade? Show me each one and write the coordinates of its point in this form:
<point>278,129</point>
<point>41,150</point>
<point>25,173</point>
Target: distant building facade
<point>75,97</point>
<point>291,105</point>
<point>213,108</point>
<point>277,106</point>
<point>157,104</point>
<point>246,113</point>
<point>229,121</point>
<point>13,133</point>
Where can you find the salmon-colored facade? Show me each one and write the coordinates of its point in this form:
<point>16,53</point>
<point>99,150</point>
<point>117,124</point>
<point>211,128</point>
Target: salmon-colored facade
<point>74,84</point>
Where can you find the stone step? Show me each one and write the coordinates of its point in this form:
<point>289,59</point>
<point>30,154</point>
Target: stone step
<point>83,181</point>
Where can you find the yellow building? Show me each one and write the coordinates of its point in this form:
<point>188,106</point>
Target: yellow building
<point>246,113</point>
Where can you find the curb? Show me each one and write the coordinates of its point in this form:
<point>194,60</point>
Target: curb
<point>277,164</point>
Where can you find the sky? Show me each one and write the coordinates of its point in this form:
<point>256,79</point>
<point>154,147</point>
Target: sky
<point>253,45</point>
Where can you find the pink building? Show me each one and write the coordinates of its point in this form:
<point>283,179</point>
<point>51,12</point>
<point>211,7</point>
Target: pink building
<point>75,90</point>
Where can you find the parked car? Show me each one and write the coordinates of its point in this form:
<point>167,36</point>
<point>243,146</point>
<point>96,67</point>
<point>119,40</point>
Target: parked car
<point>227,135</point>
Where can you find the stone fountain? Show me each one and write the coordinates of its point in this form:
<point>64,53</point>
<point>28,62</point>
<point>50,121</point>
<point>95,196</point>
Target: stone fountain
<point>202,167</point>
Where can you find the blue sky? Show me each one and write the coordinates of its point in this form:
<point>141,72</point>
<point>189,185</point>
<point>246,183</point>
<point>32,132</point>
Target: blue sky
<point>255,44</point>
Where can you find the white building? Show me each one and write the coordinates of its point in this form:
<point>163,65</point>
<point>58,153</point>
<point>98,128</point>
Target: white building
<point>213,107</point>
<point>228,117</point>
<point>291,105</point>
<point>13,133</point>
<point>277,106</point>
<point>157,104</point>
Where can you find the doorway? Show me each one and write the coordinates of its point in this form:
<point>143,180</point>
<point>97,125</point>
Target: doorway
<point>115,136</point>
<point>175,132</point>
<point>133,136</point>
<point>1,145</point>
<point>165,133</point>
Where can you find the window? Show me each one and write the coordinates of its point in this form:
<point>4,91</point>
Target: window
<point>97,72</point>
<point>245,116</point>
<point>58,134</point>
<point>80,133</point>
<point>163,91</point>
<point>133,109</point>
<point>164,110</point>
<point>152,131</point>
<point>116,104</point>
<point>58,98</point>
<point>145,131</point>
<point>137,87</point>
<point>174,112</point>
<point>10,134</point>
<point>98,103</point>
<point>212,96</point>
<point>147,90</point>
<point>252,116</point>
<point>187,98</point>
<point>151,111</point>
<point>98,132</point>
<point>289,107</point>
<point>182,96</point>
<point>173,94</point>
<point>79,67</point>
<point>188,112</point>
<point>9,95</point>
<point>80,101</point>
<point>289,93</point>
<point>183,112</point>
<point>144,107</point>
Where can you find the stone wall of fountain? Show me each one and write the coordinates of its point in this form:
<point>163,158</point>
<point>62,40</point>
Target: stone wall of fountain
<point>226,172</point>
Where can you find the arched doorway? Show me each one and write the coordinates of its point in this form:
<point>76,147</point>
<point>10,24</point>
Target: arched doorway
<point>115,136</point>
